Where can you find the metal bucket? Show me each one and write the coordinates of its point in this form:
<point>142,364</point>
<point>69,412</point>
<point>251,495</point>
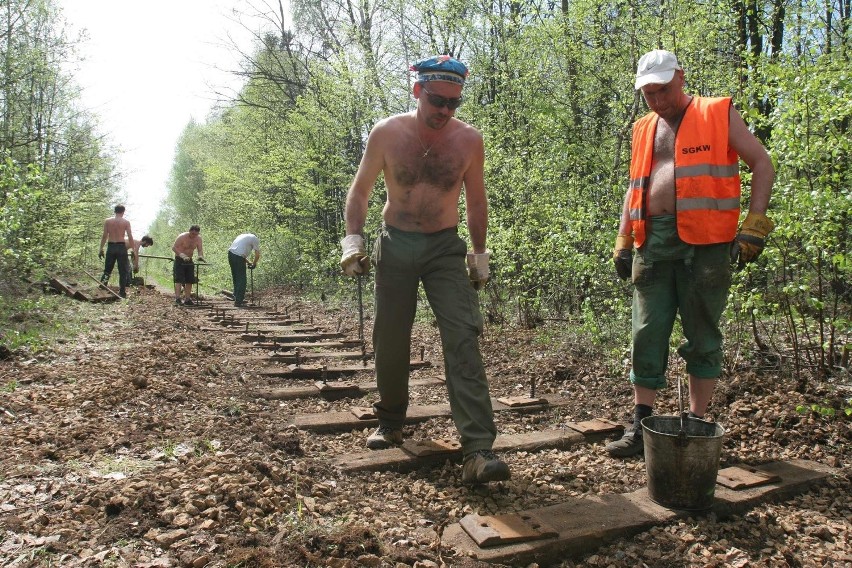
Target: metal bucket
<point>682,464</point>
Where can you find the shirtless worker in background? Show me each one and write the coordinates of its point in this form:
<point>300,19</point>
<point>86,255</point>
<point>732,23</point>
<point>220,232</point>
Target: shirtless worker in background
<point>144,242</point>
<point>115,229</point>
<point>184,269</point>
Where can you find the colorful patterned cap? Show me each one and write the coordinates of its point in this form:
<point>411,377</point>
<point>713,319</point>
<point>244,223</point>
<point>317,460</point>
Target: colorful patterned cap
<point>441,68</point>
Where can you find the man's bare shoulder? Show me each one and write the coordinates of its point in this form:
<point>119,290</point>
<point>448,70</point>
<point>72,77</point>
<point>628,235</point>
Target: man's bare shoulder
<point>466,130</point>
<point>392,123</point>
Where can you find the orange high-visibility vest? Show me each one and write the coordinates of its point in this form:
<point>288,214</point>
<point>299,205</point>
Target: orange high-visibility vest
<point>706,171</point>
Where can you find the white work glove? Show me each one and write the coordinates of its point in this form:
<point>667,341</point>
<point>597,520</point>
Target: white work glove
<point>477,268</point>
<point>354,260</point>
<point>184,257</point>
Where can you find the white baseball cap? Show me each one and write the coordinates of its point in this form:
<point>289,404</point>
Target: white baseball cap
<point>656,67</point>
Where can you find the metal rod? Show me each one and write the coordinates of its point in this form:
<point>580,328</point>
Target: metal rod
<point>102,285</point>
<point>360,311</point>
<point>680,405</point>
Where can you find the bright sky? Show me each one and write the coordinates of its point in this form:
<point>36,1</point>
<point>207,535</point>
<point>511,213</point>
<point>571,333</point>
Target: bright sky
<point>149,67</point>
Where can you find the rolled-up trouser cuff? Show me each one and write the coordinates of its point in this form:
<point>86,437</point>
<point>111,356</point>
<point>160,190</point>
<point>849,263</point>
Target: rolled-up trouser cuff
<point>654,383</point>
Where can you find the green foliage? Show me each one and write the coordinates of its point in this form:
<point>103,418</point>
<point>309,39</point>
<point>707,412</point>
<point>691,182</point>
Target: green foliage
<point>169,449</point>
<point>205,446</point>
<point>824,410</point>
<point>801,294</point>
<point>31,322</point>
<point>56,176</point>
<point>551,90</point>
<point>21,199</point>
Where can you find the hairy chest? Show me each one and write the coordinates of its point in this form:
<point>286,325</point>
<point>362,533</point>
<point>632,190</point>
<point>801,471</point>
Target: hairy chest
<point>442,169</point>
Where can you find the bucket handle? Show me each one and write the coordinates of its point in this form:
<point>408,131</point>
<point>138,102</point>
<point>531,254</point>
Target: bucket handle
<point>682,438</point>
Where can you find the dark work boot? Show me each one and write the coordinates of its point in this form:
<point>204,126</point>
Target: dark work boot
<point>630,444</point>
<point>483,466</point>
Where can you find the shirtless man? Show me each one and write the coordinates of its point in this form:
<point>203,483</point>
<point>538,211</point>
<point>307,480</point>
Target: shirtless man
<point>427,157</point>
<point>184,269</point>
<point>115,228</point>
<point>144,242</point>
<point>682,208</point>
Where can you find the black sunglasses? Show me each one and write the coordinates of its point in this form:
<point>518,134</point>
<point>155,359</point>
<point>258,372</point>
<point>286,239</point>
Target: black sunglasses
<point>438,101</point>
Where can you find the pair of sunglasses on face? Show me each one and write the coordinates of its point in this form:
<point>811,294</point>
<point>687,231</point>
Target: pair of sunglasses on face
<point>438,101</point>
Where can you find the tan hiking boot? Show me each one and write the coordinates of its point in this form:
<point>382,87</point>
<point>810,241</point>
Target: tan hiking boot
<point>483,466</point>
<point>384,437</point>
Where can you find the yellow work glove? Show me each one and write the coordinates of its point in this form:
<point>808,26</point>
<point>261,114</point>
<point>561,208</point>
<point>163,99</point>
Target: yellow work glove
<point>751,239</point>
<point>622,256</point>
<point>354,260</point>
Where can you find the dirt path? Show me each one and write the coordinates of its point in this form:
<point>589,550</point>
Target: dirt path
<point>143,442</point>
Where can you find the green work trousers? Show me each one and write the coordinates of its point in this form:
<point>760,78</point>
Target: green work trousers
<point>404,259</point>
<point>672,277</point>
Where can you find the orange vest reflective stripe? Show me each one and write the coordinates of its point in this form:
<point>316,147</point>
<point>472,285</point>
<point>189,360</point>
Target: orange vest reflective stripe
<point>706,171</point>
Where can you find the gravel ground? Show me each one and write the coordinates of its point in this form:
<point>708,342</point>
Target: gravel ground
<point>142,442</point>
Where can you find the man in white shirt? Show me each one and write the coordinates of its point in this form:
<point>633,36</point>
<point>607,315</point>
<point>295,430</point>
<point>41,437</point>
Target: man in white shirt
<point>238,259</point>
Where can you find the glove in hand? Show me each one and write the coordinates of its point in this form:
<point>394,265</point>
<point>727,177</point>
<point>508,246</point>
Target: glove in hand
<point>622,256</point>
<point>251,265</point>
<point>201,259</point>
<point>184,257</point>
<point>354,260</point>
<point>751,239</point>
<point>100,254</point>
<point>477,269</point>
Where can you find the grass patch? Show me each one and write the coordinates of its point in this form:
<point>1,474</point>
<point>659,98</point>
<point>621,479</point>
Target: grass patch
<point>34,322</point>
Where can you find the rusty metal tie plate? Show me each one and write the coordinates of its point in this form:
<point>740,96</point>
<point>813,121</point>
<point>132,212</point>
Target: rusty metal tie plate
<point>505,529</point>
<point>744,477</point>
<point>423,448</point>
<point>363,412</point>
<point>519,401</point>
